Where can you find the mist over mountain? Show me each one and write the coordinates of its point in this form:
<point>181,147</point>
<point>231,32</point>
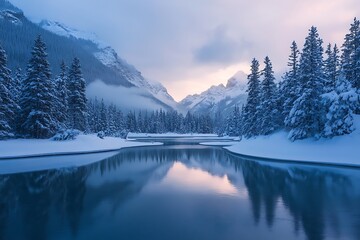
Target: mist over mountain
<point>99,61</point>
<point>108,76</point>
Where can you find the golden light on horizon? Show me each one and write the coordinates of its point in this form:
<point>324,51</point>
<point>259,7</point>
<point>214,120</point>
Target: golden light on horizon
<point>202,81</point>
<point>200,181</point>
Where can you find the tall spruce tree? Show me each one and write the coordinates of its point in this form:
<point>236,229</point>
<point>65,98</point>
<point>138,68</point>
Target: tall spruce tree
<point>251,125</point>
<point>37,118</point>
<point>234,122</point>
<point>103,116</point>
<point>17,84</point>
<point>331,67</point>
<point>290,85</point>
<point>77,98</point>
<point>350,58</point>
<point>269,114</point>
<point>111,118</point>
<point>61,86</point>
<point>131,123</point>
<point>306,117</point>
<point>8,106</point>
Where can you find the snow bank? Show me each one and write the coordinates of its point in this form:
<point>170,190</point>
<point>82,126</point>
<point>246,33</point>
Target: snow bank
<point>168,135</point>
<point>82,144</point>
<point>343,150</point>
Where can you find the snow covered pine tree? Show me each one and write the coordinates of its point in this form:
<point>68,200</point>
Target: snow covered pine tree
<point>8,106</point>
<point>305,118</point>
<point>37,114</point>
<point>77,98</point>
<point>251,112</point>
<point>269,114</point>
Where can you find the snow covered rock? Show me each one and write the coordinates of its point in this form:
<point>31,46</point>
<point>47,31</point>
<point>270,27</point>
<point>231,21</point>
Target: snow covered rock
<point>65,135</point>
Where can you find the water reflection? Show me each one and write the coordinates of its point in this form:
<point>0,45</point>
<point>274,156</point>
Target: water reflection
<point>181,192</point>
<point>194,179</point>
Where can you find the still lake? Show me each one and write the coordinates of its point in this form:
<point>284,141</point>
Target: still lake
<point>181,191</point>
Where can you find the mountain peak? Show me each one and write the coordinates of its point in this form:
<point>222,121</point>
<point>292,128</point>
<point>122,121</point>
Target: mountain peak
<point>219,98</point>
<point>66,31</point>
<point>238,80</point>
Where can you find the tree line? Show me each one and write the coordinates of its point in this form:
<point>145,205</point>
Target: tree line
<point>38,106</point>
<point>110,120</point>
<point>317,96</point>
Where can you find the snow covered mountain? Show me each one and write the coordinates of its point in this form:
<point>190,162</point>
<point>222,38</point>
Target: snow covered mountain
<point>108,76</point>
<point>109,57</point>
<point>100,62</point>
<point>218,99</point>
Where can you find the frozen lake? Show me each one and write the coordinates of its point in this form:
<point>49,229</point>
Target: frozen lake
<point>181,191</point>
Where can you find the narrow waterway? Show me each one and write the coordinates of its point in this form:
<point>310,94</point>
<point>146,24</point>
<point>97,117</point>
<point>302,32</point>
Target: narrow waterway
<point>181,191</point>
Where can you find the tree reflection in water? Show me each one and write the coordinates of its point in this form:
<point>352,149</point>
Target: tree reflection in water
<point>320,200</point>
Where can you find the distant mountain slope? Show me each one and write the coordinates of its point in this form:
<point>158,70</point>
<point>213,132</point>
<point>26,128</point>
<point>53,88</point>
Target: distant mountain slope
<point>99,61</point>
<point>108,56</point>
<point>218,99</point>
<point>17,36</point>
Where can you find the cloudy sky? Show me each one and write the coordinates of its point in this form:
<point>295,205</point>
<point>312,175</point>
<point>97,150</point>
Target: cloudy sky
<point>189,45</point>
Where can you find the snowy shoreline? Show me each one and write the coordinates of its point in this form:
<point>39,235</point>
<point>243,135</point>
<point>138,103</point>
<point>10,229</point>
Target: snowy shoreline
<point>314,152</point>
<point>289,161</point>
<point>340,151</point>
<point>84,144</point>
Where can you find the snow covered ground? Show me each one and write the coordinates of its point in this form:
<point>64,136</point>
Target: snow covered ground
<point>188,136</point>
<point>342,150</point>
<point>168,135</point>
<point>82,144</point>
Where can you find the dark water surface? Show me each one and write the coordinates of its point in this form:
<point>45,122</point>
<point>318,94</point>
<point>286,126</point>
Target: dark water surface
<point>181,192</point>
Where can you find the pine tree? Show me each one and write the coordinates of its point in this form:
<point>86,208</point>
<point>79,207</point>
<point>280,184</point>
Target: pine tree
<point>111,125</point>
<point>61,86</point>
<point>131,124</point>
<point>252,113</point>
<point>269,114</point>
<point>91,113</point>
<point>120,121</point>
<point>103,116</point>
<point>17,83</point>
<point>8,106</point>
<point>77,98</point>
<point>5,129</point>
<point>331,67</point>
<point>306,117</point>
<point>351,54</point>
<point>37,118</point>
<point>340,105</point>
<point>234,122</point>
<point>290,86</point>
<point>146,122</point>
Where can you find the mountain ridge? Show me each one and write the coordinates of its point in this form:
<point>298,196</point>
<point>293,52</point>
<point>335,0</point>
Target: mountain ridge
<point>17,36</point>
<point>109,57</point>
<point>101,62</point>
<point>218,98</point>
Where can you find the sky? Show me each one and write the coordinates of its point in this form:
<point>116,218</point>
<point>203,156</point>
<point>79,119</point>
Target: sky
<point>189,45</point>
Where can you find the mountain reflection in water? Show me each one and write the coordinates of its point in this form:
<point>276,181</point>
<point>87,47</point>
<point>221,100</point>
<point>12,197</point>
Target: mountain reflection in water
<point>181,192</point>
